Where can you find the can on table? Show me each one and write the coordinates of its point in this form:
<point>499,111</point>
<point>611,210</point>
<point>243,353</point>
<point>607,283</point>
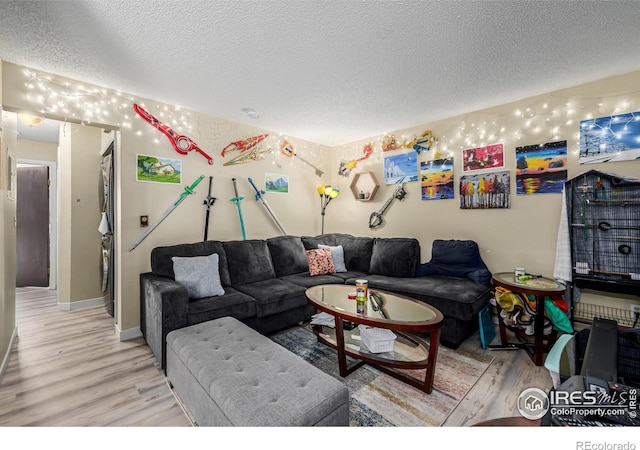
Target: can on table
<point>362,291</point>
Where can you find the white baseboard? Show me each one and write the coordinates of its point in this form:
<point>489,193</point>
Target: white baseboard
<point>125,335</point>
<point>71,306</point>
<point>5,359</point>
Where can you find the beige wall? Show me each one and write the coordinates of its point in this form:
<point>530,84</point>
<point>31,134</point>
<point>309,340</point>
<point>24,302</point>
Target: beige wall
<point>523,235</point>
<point>8,234</point>
<point>79,181</point>
<point>295,210</point>
<point>37,150</point>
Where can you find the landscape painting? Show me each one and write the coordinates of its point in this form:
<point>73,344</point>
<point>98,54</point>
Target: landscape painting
<point>277,183</point>
<point>401,168</point>
<point>159,170</point>
<point>485,191</point>
<point>541,169</point>
<point>610,139</point>
<point>489,157</point>
<point>436,179</point>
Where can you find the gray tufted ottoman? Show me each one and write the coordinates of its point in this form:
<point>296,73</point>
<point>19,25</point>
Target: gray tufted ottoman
<point>227,374</point>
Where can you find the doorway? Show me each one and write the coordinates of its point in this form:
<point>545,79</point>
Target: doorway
<point>36,231</point>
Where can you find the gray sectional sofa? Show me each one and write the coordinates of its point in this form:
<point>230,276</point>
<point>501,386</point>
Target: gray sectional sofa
<point>264,282</point>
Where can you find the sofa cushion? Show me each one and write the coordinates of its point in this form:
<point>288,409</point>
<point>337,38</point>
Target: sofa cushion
<point>311,242</point>
<point>274,296</point>
<point>456,258</point>
<point>357,250</point>
<point>320,262</point>
<point>251,261</point>
<point>395,257</point>
<point>288,255</point>
<point>233,303</point>
<point>162,264</point>
<point>199,274</point>
<point>337,254</point>
<point>453,296</point>
<point>306,280</point>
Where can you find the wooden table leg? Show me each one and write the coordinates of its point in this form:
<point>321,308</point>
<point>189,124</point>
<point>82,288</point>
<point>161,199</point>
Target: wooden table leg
<point>538,331</point>
<point>501,326</point>
<point>342,357</point>
<point>434,343</point>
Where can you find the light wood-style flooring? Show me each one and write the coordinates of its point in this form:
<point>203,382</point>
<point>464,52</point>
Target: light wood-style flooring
<point>68,369</point>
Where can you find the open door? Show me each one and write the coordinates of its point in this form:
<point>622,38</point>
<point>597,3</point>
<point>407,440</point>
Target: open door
<point>32,226</point>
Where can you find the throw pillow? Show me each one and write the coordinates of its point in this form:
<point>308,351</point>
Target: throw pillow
<point>337,253</point>
<point>320,262</point>
<point>199,274</point>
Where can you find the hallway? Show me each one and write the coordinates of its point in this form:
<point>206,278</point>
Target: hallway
<point>68,369</point>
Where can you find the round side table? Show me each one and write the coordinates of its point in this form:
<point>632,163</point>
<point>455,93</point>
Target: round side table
<point>539,287</point>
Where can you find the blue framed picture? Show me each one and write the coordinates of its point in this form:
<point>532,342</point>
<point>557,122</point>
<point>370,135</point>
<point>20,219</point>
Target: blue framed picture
<point>610,139</point>
<point>401,168</point>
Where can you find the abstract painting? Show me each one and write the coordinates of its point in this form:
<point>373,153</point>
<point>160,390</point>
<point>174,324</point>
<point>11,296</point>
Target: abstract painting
<point>541,169</point>
<point>436,179</point>
<point>485,191</point>
<point>489,157</point>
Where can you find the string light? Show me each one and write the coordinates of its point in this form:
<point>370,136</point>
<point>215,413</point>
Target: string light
<point>556,113</point>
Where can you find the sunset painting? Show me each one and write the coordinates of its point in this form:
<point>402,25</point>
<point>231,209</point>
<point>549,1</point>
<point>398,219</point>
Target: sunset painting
<point>541,169</point>
<point>436,179</point>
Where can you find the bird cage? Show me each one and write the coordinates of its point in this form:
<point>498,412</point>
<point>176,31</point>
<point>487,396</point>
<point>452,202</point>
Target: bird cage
<point>604,223</point>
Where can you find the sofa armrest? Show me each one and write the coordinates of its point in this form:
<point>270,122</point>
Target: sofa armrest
<point>164,304</point>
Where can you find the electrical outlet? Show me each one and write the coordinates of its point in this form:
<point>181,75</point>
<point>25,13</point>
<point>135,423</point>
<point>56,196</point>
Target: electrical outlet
<point>635,308</point>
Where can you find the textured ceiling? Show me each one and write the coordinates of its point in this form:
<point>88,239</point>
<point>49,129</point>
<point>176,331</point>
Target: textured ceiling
<point>327,71</point>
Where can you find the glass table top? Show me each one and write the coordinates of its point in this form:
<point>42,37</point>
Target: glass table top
<point>381,305</point>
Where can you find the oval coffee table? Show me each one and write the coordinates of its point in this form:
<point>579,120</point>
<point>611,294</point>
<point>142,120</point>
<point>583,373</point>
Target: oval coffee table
<point>402,315</point>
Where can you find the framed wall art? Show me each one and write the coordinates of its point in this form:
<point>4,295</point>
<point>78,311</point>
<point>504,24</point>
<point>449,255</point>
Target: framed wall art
<point>401,168</point>
<point>158,170</point>
<point>610,139</point>
<point>488,157</point>
<point>436,179</point>
<point>485,191</point>
<point>541,169</point>
<point>275,182</point>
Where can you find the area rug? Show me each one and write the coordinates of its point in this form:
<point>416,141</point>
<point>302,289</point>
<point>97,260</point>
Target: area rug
<point>379,400</point>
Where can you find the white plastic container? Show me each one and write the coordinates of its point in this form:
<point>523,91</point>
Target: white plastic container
<point>377,340</point>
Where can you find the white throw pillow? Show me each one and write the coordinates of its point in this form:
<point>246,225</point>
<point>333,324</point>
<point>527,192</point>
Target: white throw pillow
<point>199,274</point>
<point>337,253</point>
